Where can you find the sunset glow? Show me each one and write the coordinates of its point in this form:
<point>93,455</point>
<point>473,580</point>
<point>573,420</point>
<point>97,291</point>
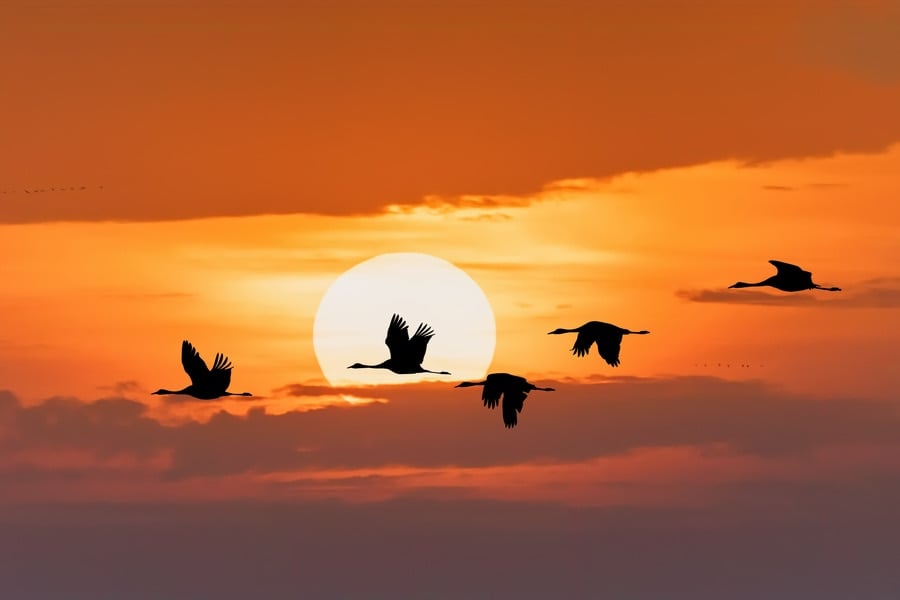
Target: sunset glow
<point>354,314</point>
<point>272,181</point>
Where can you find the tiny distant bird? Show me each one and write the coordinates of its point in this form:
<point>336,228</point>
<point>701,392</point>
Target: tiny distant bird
<point>607,337</point>
<point>789,278</point>
<point>206,384</point>
<point>514,390</point>
<point>407,353</point>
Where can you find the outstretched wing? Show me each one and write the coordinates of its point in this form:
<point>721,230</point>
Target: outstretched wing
<point>582,343</point>
<point>419,343</point>
<point>220,376</point>
<point>193,365</point>
<point>788,268</point>
<point>490,394</point>
<point>397,337</point>
<point>609,347</point>
<point>513,402</point>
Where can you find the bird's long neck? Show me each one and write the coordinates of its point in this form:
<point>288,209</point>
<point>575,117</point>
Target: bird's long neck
<point>827,289</point>
<point>434,372</point>
<point>384,365</point>
<point>236,394</point>
<point>168,392</point>
<point>472,383</point>
<point>641,332</point>
<point>543,389</point>
<point>743,284</point>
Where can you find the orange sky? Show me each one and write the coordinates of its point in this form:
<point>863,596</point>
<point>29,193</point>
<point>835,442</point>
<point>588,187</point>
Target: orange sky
<point>207,170</point>
<point>109,302</point>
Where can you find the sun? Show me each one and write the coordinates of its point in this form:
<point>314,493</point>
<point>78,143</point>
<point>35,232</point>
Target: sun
<point>353,317</point>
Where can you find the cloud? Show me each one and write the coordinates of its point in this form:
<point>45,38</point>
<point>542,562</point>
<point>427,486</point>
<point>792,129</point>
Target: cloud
<point>475,108</point>
<point>106,427</point>
<point>434,425</point>
<point>883,292</point>
<point>120,388</point>
<point>314,390</point>
<point>327,488</point>
<point>492,216</point>
<point>814,185</point>
<point>746,297</point>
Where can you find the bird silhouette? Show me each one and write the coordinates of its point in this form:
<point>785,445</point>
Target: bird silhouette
<point>607,337</point>
<point>789,278</point>
<point>407,353</point>
<point>514,390</point>
<point>206,384</point>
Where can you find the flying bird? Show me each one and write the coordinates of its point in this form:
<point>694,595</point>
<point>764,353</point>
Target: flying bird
<point>407,353</point>
<point>789,278</point>
<point>206,384</point>
<point>514,390</point>
<point>607,337</point>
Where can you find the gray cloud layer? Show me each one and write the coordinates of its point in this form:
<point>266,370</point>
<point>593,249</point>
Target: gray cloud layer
<point>432,425</point>
<point>761,537</point>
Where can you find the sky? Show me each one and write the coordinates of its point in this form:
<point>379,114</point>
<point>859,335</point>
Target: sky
<point>208,170</point>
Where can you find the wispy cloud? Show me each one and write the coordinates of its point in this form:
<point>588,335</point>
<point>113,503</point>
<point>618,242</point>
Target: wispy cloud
<point>315,390</point>
<point>122,388</point>
<point>873,293</point>
<point>488,216</point>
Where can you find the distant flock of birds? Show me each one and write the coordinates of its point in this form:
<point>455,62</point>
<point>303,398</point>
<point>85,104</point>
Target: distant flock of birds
<point>71,188</point>
<point>510,391</point>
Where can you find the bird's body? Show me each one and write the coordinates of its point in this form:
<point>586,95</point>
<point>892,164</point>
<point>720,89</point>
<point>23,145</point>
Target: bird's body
<point>789,278</point>
<point>608,338</point>
<point>512,388</point>
<point>206,384</point>
<point>407,353</point>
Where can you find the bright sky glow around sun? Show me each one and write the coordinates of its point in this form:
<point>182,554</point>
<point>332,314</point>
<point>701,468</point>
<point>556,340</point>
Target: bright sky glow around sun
<point>353,317</point>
